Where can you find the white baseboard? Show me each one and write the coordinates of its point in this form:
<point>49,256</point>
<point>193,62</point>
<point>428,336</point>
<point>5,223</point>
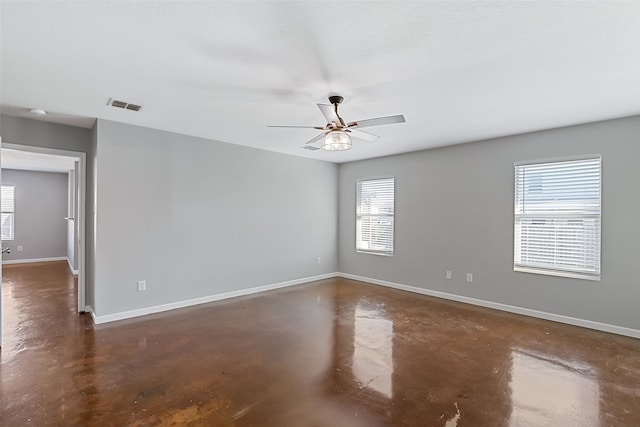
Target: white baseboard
<point>203,300</point>
<point>74,272</point>
<point>620,330</point>
<point>27,261</point>
<point>88,309</point>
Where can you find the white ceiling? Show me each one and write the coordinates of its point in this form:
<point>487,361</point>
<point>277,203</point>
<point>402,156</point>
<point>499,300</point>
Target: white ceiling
<point>458,71</point>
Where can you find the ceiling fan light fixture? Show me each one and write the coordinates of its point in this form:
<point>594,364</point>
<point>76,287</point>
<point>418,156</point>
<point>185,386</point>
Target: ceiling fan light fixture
<point>336,141</point>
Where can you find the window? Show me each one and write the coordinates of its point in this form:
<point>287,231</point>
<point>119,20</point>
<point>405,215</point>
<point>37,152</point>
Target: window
<point>557,218</point>
<point>7,202</point>
<point>374,216</point>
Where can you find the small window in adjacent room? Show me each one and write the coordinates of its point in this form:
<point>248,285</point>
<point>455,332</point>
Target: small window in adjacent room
<point>557,218</point>
<point>7,203</point>
<point>374,216</point>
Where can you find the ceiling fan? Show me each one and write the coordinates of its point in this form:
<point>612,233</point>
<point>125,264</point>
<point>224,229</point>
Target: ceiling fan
<point>337,133</point>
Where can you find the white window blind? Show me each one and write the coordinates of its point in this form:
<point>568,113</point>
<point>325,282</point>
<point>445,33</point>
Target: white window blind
<point>7,207</point>
<point>557,218</point>
<point>375,216</point>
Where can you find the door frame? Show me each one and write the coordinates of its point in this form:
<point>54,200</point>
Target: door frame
<point>82,197</point>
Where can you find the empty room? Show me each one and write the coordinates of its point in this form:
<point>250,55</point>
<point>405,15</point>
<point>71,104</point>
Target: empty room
<point>313,213</point>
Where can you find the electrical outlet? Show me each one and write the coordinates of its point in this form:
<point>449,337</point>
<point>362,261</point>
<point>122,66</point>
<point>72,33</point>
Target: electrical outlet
<point>142,285</point>
<point>448,275</point>
<point>318,260</point>
<point>20,248</point>
<point>469,278</point>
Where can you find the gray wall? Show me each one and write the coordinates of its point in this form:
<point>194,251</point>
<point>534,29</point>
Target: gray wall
<point>40,208</point>
<point>454,211</point>
<point>195,217</point>
<point>17,130</point>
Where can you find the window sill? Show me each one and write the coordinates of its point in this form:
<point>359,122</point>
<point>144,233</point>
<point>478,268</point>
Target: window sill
<point>557,273</point>
<point>373,253</point>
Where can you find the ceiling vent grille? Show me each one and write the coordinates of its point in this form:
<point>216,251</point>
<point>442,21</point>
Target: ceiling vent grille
<point>125,105</point>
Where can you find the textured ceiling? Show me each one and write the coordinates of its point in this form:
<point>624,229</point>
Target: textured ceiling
<point>458,71</point>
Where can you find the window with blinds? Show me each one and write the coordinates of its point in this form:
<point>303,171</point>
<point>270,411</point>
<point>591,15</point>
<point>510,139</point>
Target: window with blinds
<point>374,216</point>
<point>7,207</point>
<point>557,218</point>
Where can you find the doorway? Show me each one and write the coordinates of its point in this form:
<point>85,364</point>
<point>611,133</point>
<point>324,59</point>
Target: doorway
<point>73,164</point>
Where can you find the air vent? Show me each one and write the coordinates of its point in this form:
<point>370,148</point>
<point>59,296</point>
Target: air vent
<point>125,105</point>
<point>310,147</point>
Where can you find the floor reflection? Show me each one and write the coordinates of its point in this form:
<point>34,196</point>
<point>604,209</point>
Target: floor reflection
<point>550,391</point>
<point>373,349</point>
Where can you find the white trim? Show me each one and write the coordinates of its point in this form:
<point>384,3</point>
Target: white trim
<point>89,310</point>
<point>620,330</point>
<point>27,261</point>
<point>203,300</point>
<point>557,273</point>
<point>373,253</point>
<point>558,159</point>
<point>81,230</point>
<point>74,272</point>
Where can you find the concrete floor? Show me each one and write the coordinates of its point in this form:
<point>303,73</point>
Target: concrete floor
<point>331,353</point>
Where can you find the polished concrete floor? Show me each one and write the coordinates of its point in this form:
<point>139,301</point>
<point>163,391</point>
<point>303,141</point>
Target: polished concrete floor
<point>331,353</point>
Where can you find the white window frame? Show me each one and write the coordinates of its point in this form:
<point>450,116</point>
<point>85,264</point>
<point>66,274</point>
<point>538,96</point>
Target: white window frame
<point>360,216</point>
<point>558,214</point>
<point>9,210</point>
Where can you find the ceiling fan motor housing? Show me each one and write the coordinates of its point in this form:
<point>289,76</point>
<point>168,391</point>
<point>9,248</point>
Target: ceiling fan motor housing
<point>336,99</point>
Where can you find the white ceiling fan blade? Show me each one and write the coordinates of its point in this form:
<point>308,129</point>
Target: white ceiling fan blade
<point>377,122</point>
<point>363,135</point>
<point>299,127</point>
<point>315,139</point>
<point>329,113</point>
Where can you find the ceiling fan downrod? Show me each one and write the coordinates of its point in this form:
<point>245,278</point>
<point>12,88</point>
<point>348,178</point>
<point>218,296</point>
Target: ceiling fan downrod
<point>335,100</point>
